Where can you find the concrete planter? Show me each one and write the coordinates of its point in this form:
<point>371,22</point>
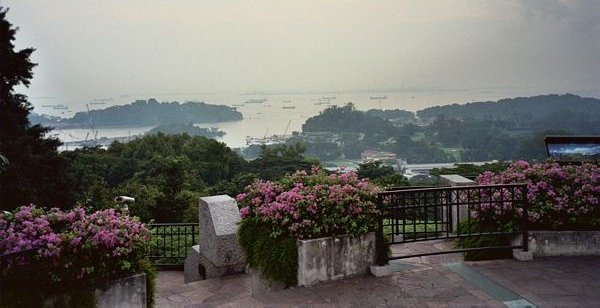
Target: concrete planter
<point>329,258</point>
<point>126,292</point>
<point>563,243</point>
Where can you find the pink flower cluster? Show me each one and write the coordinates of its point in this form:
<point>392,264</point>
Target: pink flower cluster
<point>74,238</point>
<point>312,205</point>
<point>560,197</point>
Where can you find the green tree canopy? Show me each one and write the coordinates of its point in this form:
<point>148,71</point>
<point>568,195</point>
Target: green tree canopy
<point>34,174</point>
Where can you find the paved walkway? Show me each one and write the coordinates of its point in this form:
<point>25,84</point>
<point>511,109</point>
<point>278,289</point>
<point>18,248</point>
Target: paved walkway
<point>418,282</point>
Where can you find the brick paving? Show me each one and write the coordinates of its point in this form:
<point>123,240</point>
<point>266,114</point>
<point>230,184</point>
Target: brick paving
<point>420,282</point>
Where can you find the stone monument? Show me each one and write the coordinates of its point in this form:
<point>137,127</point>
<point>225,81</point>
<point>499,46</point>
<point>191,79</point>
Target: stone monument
<point>218,252</point>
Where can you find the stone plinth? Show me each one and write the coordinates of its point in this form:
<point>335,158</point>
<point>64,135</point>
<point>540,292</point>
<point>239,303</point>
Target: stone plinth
<point>330,258</point>
<point>460,212</point>
<point>218,252</point>
<point>454,180</point>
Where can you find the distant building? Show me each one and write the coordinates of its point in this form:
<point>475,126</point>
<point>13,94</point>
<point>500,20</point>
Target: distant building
<point>321,137</point>
<point>374,155</point>
<point>386,159</point>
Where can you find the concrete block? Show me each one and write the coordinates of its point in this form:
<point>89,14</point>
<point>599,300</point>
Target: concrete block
<point>126,292</point>
<point>455,180</point>
<point>459,212</point>
<point>327,259</point>
<point>562,243</point>
<point>520,255</point>
<point>198,267</point>
<point>191,268</point>
<point>381,271</point>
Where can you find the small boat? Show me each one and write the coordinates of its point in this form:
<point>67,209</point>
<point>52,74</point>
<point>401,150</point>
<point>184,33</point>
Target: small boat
<point>378,97</point>
<point>328,97</point>
<point>256,101</point>
<point>288,107</point>
<point>237,105</point>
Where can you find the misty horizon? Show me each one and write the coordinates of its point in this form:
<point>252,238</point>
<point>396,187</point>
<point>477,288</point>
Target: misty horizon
<point>136,50</point>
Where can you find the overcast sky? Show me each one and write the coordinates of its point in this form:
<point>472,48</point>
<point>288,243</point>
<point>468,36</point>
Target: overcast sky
<point>88,49</point>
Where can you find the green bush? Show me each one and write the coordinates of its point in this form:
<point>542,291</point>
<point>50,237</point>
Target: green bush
<point>275,257</point>
<point>483,241</point>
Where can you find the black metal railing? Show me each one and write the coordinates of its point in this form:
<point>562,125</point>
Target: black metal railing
<point>171,242</point>
<point>423,214</point>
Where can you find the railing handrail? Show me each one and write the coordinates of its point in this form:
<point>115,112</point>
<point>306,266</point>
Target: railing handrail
<point>172,224</point>
<point>400,216</point>
<point>416,190</point>
<point>173,242</point>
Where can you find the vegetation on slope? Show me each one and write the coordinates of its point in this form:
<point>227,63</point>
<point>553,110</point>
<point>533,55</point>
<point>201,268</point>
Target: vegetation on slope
<point>151,112</point>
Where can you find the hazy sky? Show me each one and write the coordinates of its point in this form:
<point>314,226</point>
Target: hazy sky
<point>88,49</point>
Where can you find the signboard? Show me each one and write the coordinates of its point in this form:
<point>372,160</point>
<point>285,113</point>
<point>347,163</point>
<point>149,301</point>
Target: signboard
<point>573,148</point>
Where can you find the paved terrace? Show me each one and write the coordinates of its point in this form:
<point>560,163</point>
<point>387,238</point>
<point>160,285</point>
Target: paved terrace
<point>435,281</point>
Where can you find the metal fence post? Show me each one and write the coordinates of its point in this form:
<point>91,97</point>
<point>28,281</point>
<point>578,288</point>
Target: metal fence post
<point>380,245</point>
<point>525,221</point>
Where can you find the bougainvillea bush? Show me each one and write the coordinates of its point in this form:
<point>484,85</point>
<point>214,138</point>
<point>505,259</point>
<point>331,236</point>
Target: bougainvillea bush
<point>312,205</point>
<point>71,249</point>
<point>561,197</point>
<point>301,206</point>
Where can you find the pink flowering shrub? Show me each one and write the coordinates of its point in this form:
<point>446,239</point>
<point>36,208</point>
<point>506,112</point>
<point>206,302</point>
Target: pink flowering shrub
<point>560,197</point>
<point>74,245</point>
<point>300,206</point>
<point>311,205</point>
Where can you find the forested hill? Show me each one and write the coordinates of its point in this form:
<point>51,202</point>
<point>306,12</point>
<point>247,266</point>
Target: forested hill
<point>151,112</point>
<point>520,110</point>
<point>347,119</point>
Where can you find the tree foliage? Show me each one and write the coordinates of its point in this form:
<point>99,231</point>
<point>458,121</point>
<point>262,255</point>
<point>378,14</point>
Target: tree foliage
<point>276,161</point>
<point>34,172</point>
<point>380,175</point>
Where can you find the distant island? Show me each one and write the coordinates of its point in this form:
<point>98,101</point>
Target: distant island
<point>190,129</point>
<point>145,113</point>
